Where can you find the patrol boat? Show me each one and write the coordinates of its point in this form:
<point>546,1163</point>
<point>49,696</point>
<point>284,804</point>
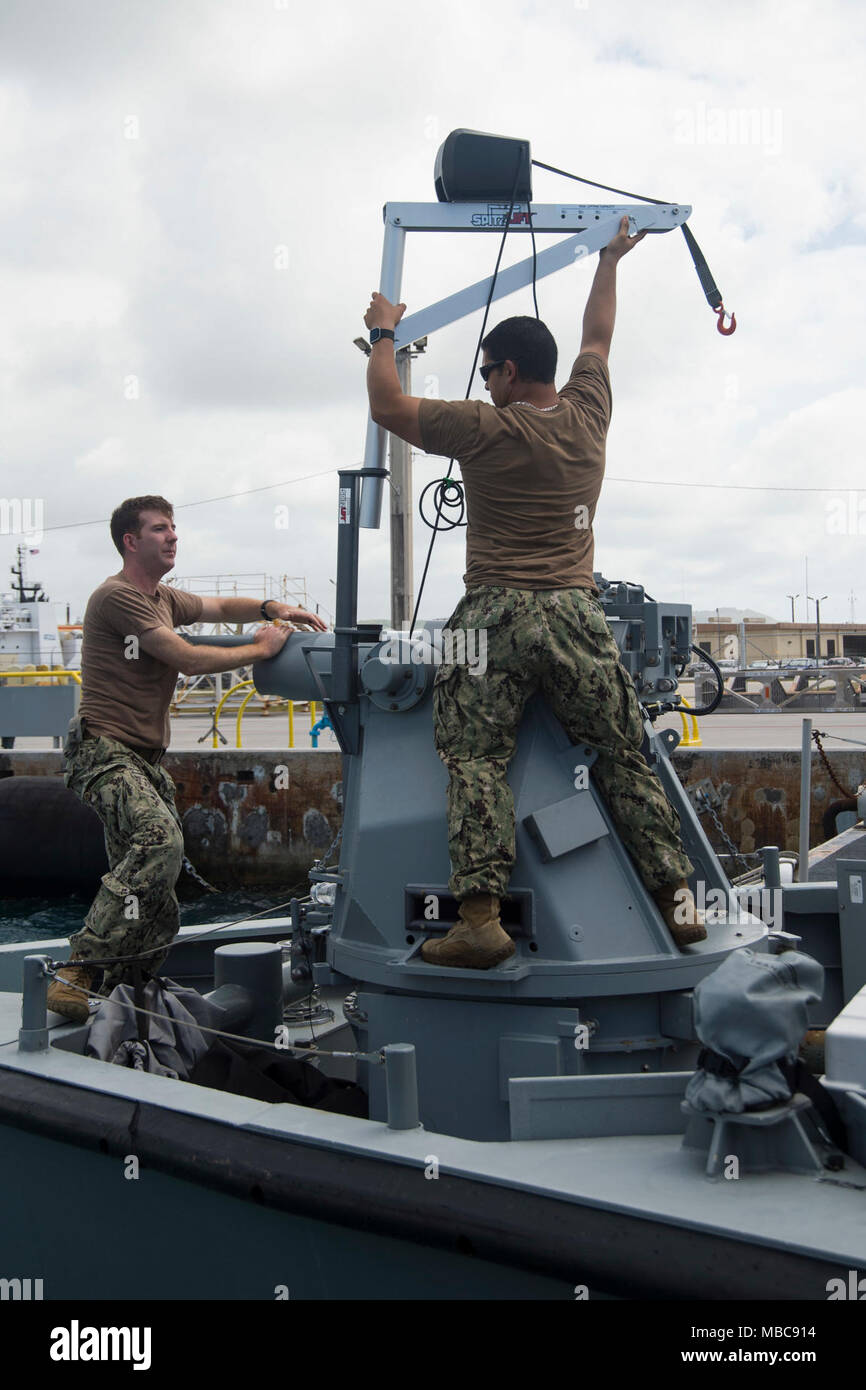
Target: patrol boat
<point>522,1132</point>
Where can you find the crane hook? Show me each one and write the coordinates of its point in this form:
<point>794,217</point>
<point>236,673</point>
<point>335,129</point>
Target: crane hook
<point>720,322</point>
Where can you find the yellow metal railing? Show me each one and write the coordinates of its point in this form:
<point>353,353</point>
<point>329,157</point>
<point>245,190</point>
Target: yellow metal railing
<point>693,739</point>
<point>242,685</point>
<point>10,675</point>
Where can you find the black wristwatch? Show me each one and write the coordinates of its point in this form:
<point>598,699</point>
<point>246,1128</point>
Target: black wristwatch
<point>377,333</point>
<point>264,606</point>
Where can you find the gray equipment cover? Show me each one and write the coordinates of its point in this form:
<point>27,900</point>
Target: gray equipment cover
<point>175,1044</point>
<point>752,1012</point>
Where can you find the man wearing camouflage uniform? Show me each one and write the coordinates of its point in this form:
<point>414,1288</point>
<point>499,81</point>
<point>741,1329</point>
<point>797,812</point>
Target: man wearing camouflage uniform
<point>130,661</point>
<point>532,471</point>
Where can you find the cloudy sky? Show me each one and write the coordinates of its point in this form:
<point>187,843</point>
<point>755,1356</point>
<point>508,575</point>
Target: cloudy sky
<point>191,201</point>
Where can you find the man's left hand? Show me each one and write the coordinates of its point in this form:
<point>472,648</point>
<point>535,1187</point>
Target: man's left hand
<point>298,617</point>
<point>382,313</point>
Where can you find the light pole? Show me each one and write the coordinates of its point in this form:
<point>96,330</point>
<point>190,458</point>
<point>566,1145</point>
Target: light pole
<point>792,597</point>
<point>817,602</point>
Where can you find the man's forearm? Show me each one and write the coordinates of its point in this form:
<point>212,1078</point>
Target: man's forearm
<point>383,383</point>
<point>209,661</point>
<point>600,311</point>
<point>241,610</point>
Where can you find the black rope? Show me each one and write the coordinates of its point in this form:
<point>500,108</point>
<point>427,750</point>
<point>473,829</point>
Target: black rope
<point>448,480</point>
<point>642,197</point>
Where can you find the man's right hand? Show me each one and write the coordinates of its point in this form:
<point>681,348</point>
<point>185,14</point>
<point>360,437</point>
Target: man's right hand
<point>272,639</point>
<point>622,243</point>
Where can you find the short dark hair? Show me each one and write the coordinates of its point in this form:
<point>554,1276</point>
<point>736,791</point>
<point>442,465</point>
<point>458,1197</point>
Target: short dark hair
<point>528,343</point>
<point>127,517</point>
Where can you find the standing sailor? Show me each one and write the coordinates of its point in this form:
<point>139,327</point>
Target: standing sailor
<point>130,660</point>
<point>532,466</point>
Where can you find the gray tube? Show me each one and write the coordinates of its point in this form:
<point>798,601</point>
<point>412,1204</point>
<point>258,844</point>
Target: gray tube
<point>33,1033</point>
<point>401,1086</point>
<point>805,799</point>
<point>772,872</point>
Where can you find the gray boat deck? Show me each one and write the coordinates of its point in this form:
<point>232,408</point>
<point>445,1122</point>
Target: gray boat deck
<point>651,1177</point>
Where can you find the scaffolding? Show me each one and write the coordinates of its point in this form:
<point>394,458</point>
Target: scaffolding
<point>206,693</point>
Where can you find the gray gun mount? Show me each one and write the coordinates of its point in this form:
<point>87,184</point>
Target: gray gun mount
<point>653,638</point>
<point>596,986</point>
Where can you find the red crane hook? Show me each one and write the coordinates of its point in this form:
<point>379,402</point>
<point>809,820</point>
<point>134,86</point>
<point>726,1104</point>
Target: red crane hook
<point>720,322</point>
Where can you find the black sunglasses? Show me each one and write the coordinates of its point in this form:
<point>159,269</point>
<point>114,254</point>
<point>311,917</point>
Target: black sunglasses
<point>484,372</point>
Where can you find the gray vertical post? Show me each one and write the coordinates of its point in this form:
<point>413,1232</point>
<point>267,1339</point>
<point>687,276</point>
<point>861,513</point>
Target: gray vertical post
<point>33,1033</point>
<point>390,281</point>
<point>401,1086</point>
<point>772,871</point>
<point>805,799</point>
<point>744,651</point>
<point>401,511</point>
<point>347,588</point>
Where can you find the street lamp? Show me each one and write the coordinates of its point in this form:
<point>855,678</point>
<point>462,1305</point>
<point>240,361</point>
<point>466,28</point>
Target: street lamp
<point>817,602</point>
<point>792,597</point>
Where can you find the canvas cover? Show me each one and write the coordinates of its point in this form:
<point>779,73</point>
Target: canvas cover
<point>751,1013</point>
<point>174,1045</point>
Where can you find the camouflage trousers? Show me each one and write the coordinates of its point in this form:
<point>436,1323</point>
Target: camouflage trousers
<point>556,641</point>
<point>135,908</point>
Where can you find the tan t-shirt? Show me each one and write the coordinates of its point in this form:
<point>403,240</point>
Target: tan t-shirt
<point>128,696</point>
<point>532,479</point>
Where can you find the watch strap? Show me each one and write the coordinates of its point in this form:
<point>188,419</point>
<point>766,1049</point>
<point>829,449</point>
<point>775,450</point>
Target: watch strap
<point>377,333</point>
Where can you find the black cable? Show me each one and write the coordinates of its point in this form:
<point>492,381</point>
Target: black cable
<point>644,198</point>
<point>448,480</point>
<point>534,262</point>
<point>720,682</point>
<point>708,284</point>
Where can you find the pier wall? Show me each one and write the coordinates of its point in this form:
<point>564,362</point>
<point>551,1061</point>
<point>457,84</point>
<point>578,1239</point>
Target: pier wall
<point>260,818</point>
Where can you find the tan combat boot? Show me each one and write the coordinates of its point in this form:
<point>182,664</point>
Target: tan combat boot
<point>477,941</point>
<point>682,917</point>
<point>67,1000</point>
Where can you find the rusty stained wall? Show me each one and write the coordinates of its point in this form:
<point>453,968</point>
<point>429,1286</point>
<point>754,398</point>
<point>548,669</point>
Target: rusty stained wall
<point>257,817</point>
<point>242,827</point>
<point>249,817</point>
<point>760,792</point>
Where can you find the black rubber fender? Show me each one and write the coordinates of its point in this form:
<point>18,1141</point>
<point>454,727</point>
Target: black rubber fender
<point>47,837</point>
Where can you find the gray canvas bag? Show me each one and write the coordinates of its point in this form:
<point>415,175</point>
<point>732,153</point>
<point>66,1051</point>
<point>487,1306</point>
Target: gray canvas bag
<point>751,1015</point>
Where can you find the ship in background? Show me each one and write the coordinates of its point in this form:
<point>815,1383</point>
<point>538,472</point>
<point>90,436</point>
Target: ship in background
<point>35,635</point>
<point>34,631</point>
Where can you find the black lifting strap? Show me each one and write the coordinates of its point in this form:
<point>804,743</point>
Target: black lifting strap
<point>708,284</point>
<point>705,275</point>
<point>138,995</point>
<point>800,1079</point>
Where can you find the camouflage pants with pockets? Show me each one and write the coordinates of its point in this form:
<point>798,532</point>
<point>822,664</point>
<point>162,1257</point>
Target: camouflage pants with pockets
<point>135,908</point>
<point>556,641</point>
